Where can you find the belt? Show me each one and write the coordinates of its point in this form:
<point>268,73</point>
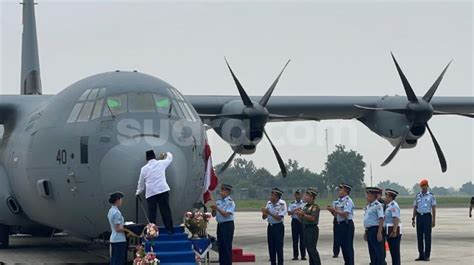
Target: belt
<point>418,213</point>
<point>224,223</point>
<point>310,225</point>
<point>344,222</point>
<point>275,224</point>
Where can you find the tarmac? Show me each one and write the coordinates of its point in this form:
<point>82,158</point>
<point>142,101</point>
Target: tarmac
<point>453,242</point>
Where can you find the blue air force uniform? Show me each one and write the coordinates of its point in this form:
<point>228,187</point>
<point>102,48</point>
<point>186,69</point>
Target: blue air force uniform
<point>393,211</point>
<point>297,229</point>
<point>423,204</point>
<point>344,231</point>
<point>373,215</point>
<point>225,227</point>
<point>276,228</point>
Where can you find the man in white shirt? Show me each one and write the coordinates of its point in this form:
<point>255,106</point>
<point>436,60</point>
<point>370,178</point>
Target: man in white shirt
<point>153,180</point>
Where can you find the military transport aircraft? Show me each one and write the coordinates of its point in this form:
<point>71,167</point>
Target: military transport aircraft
<point>61,155</point>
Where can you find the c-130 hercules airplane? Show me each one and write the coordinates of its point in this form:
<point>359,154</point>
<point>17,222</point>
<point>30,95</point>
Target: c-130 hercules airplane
<point>61,155</point>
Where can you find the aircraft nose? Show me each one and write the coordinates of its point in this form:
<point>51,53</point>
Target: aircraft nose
<point>120,167</point>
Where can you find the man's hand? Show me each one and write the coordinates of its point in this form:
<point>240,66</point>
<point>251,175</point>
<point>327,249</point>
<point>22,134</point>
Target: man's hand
<point>331,209</point>
<point>470,215</point>
<point>393,234</point>
<point>264,211</point>
<point>433,224</point>
<point>365,236</point>
<point>379,236</point>
<point>413,222</point>
<point>213,207</point>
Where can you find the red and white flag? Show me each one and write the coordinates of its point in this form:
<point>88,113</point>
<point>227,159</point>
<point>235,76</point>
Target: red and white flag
<point>210,177</point>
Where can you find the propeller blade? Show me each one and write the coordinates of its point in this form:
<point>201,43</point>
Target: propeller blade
<point>408,90</point>
<point>278,157</point>
<point>239,116</point>
<point>453,113</point>
<point>429,95</point>
<point>442,159</point>
<point>399,111</point>
<point>268,94</point>
<point>228,162</point>
<point>243,94</point>
<point>397,148</point>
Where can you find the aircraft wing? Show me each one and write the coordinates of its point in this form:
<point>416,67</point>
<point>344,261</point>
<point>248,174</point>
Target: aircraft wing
<point>322,107</point>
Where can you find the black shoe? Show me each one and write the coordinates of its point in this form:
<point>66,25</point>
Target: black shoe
<point>427,259</point>
<point>295,258</point>
<point>303,258</point>
<point>335,256</point>
<point>419,259</point>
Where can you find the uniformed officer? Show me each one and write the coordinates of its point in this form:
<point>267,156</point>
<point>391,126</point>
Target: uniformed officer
<point>393,225</point>
<point>336,245</point>
<point>470,207</point>
<point>373,223</point>
<point>224,210</point>
<point>297,226</point>
<point>344,213</point>
<point>309,216</point>
<point>424,210</point>
<point>118,240</point>
<point>381,200</point>
<point>274,212</point>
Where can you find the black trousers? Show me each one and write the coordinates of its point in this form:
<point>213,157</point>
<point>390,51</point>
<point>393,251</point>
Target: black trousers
<point>336,246</point>
<point>275,237</point>
<point>311,235</point>
<point>376,248</point>
<point>163,201</point>
<point>225,236</point>
<point>423,234</point>
<point>118,255</point>
<point>345,237</point>
<point>394,244</point>
<point>297,236</point>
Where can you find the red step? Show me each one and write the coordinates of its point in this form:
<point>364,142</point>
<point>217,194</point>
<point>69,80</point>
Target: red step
<point>239,256</point>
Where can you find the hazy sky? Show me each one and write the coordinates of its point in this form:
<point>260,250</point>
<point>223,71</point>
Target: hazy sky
<point>336,48</point>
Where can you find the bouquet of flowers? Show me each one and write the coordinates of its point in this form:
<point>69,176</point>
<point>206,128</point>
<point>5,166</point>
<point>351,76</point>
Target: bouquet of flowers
<point>143,258</point>
<point>151,232</point>
<point>196,222</point>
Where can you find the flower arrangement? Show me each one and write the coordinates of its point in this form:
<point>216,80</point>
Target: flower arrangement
<point>196,222</point>
<point>151,231</point>
<point>143,258</point>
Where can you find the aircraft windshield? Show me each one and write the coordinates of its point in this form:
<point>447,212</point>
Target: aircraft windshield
<point>93,104</point>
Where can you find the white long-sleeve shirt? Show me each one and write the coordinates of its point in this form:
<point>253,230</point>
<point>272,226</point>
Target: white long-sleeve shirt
<point>153,177</point>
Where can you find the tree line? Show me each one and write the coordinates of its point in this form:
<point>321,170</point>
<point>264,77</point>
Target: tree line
<point>342,165</point>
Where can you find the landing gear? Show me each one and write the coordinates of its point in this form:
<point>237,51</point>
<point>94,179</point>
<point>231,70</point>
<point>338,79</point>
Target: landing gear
<point>4,236</point>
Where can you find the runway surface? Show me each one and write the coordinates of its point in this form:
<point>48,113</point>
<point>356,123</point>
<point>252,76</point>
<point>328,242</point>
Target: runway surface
<point>453,242</point>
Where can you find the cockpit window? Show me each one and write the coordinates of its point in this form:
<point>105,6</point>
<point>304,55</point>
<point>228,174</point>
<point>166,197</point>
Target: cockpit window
<point>140,102</point>
<point>93,104</point>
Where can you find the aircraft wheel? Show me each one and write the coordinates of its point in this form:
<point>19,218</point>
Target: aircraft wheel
<point>4,236</point>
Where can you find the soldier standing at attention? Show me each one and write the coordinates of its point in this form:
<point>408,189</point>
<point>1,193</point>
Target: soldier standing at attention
<point>344,213</point>
<point>297,226</point>
<point>392,225</point>
<point>424,210</point>
<point>373,223</point>
<point>470,207</point>
<point>224,210</point>
<point>309,216</point>
<point>274,212</point>
<point>381,200</point>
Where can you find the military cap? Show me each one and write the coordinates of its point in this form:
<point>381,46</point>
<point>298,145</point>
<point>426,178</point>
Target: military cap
<point>298,191</point>
<point>226,187</point>
<point>277,191</point>
<point>392,192</point>
<point>424,182</point>
<point>372,190</point>
<point>150,154</point>
<point>345,186</point>
<point>113,197</point>
<point>312,192</point>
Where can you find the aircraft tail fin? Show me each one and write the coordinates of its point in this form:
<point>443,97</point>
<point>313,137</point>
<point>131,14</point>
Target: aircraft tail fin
<point>30,68</point>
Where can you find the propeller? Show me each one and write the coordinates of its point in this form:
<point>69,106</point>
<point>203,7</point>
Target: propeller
<point>418,112</point>
<point>253,110</point>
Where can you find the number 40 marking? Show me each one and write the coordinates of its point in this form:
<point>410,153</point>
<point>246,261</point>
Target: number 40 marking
<point>61,157</point>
